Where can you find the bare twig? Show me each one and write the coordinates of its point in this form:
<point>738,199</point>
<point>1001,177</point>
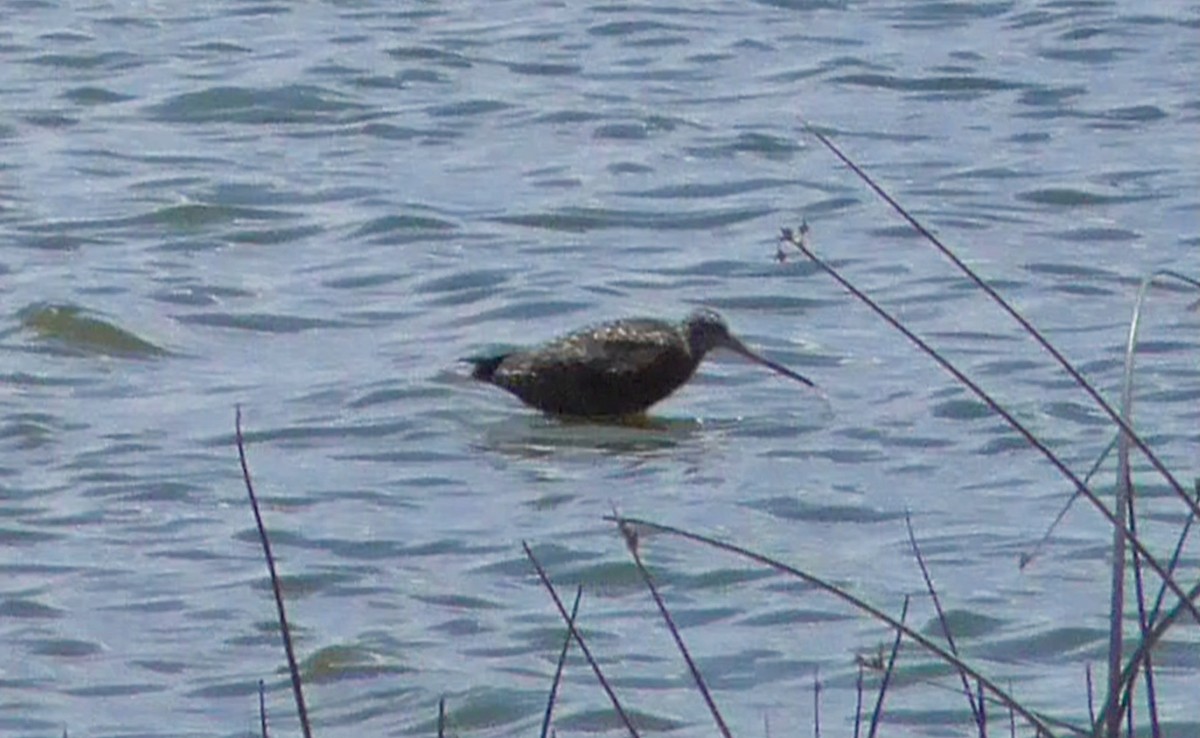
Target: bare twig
<point>558,668</point>
<point>1012,312</point>
<point>441,718</point>
<point>587,652</point>
<point>1125,505</point>
<point>1027,558</point>
<point>937,604</point>
<point>1144,628</point>
<point>1012,719</point>
<point>631,544</point>
<point>887,674</point>
<point>284,629</point>
<point>858,700</point>
<point>1008,417</point>
<point>262,708</point>
<point>817,703</point>
<point>1037,721</point>
<point>982,711</point>
<point>1133,665</point>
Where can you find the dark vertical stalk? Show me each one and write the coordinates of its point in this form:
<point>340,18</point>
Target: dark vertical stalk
<point>937,604</point>
<point>262,708</point>
<point>887,674</point>
<point>858,701</point>
<point>982,712</point>
<point>631,543</point>
<point>284,629</point>
<point>558,668</point>
<point>817,704</point>
<point>587,652</point>
<point>1144,628</point>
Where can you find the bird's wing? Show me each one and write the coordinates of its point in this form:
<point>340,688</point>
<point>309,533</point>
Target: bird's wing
<point>628,348</point>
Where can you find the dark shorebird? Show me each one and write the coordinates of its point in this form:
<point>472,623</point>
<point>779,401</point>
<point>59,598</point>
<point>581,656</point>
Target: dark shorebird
<point>614,369</point>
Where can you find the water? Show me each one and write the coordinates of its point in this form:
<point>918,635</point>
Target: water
<point>314,210</point>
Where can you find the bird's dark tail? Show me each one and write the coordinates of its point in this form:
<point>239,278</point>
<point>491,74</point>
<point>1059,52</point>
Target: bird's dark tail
<point>485,366</point>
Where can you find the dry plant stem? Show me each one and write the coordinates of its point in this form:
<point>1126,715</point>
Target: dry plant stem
<point>1123,509</point>
<point>558,668</point>
<point>982,711</point>
<point>587,652</point>
<point>1037,721</point>
<point>1143,627</point>
<point>887,674</point>
<point>1133,665</point>
<point>858,688</point>
<point>1111,715</point>
<point>1012,720</point>
<point>817,704</point>
<point>937,605</point>
<point>1027,558</point>
<point>1174,562</point>
<point>1020,319</point>
<point>999,410</point>
<point>284,629</point>
<point>1158,627</point>
<point>441,718</point>
<point>262,708</point>
<point>1127,397</point>
<point>631,545</point>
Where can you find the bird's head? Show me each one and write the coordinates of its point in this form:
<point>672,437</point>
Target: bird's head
<point>706,330</point>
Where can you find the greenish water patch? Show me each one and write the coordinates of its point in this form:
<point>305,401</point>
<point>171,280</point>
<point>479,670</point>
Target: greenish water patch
<point>94,96</point>
<point>73,328</point>
<point>339,663</point>
<point>579,220</point>
<point>603,721</point>
<point>28,609</point>
<point>289,104</point>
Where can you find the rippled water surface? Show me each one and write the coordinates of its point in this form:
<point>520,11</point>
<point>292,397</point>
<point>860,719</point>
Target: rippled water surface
<point>316,209</point>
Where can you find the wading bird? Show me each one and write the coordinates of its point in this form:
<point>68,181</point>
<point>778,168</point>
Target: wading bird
<point>614,369</point>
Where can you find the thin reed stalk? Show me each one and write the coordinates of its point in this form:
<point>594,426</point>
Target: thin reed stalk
<point>441,718</point>
<point>587,652</point>
<point>1133,664</point>
<point>1143,628</point>
<point>877,714</point>
<point>262,708</point>
<point>276,587</point>
<point>1027,558</point>
<point>1012,719</point>
<point>1039,722</point>
<point>982,711</point>
<point>1012,312</point>
<point>558,667</point>
<point>858,701</point>
<point>817,703</point>
<point>631,543</point>
<point>937,605</point>
<point>995,406</point>
<point>1112,714</point>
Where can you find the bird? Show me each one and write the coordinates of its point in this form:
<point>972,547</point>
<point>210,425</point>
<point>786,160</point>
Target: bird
<point>616,369</point>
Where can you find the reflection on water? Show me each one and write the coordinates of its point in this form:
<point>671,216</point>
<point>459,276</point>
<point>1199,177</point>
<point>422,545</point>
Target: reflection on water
<point>536,436</point>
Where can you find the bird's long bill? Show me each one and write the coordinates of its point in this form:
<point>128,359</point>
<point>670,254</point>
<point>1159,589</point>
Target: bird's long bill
<point>738,347</point>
